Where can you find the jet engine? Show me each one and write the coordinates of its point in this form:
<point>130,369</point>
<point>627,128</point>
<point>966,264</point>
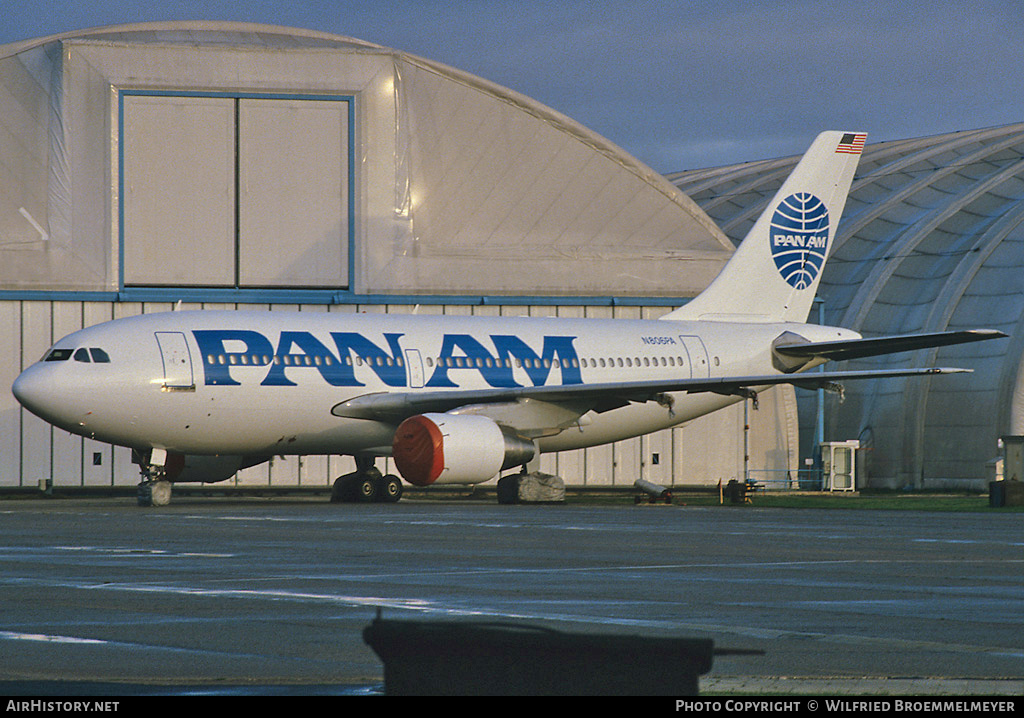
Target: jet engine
<point>456,449</point>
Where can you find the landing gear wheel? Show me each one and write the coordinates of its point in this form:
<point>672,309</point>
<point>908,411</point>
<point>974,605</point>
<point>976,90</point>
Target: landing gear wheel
<point>154,493</point>
<point>338,490</point>
<point>508,489</point>
<point>368,488</point>
<point>361,486</point>
<point>391,489</point>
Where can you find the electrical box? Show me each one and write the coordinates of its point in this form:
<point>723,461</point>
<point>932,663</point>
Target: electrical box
<point>1013,457</point>
<point>839,465</point>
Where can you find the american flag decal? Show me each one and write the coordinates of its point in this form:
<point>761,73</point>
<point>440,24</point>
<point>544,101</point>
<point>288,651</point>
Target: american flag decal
<point>851,144</point>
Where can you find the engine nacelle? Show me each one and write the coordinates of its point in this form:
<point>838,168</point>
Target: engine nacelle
<point>456,449</point>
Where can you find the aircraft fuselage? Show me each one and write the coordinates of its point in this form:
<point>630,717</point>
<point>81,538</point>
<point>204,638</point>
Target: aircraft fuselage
<point>259,383</point>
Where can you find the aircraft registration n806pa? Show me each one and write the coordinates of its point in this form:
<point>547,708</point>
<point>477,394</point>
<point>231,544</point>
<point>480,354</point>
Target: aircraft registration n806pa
<point>199,395</point>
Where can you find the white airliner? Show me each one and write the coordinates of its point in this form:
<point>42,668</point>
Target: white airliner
<point>199,395</point>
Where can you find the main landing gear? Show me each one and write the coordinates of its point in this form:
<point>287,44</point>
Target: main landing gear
<point>366,484</point>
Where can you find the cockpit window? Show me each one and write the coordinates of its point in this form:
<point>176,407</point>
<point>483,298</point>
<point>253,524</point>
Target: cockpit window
<point>93,355</point>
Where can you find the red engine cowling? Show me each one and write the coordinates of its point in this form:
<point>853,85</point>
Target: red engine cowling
<point>456,449</point>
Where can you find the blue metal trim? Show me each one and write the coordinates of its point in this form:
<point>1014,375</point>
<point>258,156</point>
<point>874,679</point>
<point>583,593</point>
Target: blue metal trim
<point>194,295</point>
<point>45,295</point>
<point>238,95</point>
<point>120,189</point>
<point>351,193</point>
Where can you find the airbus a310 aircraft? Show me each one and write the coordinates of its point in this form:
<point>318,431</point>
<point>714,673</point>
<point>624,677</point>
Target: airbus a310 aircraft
<point>199,395</point>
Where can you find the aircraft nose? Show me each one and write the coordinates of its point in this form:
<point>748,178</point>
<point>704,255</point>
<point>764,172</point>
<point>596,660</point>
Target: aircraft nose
<point>34,390</point>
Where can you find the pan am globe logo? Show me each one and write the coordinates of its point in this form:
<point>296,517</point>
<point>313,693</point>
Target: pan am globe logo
<point>799,238</point>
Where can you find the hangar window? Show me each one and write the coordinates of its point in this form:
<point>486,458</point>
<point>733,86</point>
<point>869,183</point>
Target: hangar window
<point>235,191</point>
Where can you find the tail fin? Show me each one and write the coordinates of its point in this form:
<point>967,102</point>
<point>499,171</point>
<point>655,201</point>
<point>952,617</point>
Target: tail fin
<point>774,274</point>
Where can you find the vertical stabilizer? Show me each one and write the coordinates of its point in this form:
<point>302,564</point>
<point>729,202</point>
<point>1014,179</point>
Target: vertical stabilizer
<point>774,274</point>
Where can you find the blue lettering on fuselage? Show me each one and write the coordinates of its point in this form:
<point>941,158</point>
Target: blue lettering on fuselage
<point>301,350</point>
<point>217,360</point>
<point>337,369</point>
<point>462,351</point>
<point>556,352</point>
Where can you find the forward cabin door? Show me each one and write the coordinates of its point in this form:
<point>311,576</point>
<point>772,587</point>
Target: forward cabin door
<point>177,361</point>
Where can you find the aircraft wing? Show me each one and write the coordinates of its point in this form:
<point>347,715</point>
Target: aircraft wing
<point>394,407</point>
<point>858,348</point>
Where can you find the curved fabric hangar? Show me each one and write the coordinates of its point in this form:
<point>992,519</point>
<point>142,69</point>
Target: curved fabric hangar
<point>387,173</point>
<point>931,239</point>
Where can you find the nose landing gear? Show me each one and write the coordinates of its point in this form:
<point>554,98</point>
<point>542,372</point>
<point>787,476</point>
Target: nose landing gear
<point>154,489</point>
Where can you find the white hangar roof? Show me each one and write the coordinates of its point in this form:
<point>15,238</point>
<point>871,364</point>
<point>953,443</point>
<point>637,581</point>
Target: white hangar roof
<point>932,239</point>
<point>441,182</point>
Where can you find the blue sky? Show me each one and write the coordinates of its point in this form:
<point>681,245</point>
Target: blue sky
<point>680,85</point>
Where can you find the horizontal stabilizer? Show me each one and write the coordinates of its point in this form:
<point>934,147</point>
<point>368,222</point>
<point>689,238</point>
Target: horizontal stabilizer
<point>858,348</point>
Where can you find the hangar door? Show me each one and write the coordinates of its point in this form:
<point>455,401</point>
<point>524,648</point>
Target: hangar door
<point>224,191</point>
